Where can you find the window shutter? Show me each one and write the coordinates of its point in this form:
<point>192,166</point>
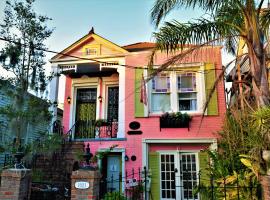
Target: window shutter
<point>139,107</point>
<point>204,173</point>
<point>210,78</point>
<point>155,178</point>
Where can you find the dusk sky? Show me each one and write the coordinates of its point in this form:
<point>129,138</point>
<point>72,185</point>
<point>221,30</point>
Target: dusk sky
<point>120,21</point>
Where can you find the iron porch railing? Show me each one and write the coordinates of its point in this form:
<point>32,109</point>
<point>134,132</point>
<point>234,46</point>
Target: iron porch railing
<point>93,129</point>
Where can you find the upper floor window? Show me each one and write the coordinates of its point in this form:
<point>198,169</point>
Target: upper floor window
<point>160,98</point>
<point>176,92</point>
<point>187,92</point>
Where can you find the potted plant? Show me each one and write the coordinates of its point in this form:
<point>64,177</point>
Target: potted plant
<point>101,122</point>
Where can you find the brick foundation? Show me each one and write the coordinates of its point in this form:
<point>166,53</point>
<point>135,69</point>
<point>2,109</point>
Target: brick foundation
<point>265,181</point>
<point>91,193</point>
<point>15,184</point>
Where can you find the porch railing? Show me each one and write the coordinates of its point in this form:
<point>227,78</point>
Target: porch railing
<point>93,129</point>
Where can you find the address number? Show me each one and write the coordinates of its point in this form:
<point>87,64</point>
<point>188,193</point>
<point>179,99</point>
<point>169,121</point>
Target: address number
<point>81,185</point>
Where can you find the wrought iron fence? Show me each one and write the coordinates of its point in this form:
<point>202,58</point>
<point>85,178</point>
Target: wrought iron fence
<point>133,186</point>
<point>182,186</point>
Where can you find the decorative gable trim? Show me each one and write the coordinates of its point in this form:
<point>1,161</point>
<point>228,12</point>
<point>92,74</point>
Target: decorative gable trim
<point>81,41</point>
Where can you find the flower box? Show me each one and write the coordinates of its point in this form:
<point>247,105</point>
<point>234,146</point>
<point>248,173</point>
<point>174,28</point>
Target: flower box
<point>175,120</point>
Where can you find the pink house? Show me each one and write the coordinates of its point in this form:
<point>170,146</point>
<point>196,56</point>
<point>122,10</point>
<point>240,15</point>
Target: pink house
<point>103,108</point>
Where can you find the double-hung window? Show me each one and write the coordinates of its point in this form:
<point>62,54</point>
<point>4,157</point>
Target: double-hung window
<point>160,98</point>
<point>176,91</point>
<point>187,92</point>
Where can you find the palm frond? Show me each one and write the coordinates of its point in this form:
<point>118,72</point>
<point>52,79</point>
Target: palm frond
<point>265,20</point>
<point>163,7</point>
<point>175,35</point>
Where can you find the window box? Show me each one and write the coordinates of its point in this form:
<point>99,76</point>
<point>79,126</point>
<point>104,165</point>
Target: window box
<point>175,120</point>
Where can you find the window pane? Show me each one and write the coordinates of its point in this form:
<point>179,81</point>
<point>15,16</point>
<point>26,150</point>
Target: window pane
<point>187,82</point>
<point>161,83</point>
<point>160,102</point>
<point>192,95</point>
<point>188,104</point>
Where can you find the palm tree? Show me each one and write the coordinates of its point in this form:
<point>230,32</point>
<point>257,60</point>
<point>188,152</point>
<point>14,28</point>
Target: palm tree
<point>227,22</point>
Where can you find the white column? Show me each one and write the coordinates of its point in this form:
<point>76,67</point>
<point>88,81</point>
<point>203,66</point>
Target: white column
<point>53,97</point>
<point>121,106</point>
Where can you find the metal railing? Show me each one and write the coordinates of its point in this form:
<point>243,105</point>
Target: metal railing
<point>183,186</point>
<point>93,129</point>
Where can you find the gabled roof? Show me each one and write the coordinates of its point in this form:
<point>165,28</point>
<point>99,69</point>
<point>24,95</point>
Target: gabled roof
<point>84,39</point>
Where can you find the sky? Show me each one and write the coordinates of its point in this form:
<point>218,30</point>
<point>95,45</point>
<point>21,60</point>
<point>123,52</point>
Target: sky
<point>120,21</point>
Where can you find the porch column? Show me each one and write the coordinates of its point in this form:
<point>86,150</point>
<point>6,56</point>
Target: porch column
<point>121,110</point>
<point>53,97</point>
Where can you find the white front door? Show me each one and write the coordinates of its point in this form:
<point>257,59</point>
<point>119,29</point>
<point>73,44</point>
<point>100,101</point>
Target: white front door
<point>178,176</point>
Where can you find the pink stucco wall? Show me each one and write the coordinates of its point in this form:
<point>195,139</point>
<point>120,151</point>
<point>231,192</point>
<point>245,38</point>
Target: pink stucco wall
<point>150,125</point>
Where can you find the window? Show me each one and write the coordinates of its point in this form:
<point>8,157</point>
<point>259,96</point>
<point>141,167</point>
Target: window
<point>160,99</point>
<point>187,94</point>
<point>176,91</point>
<point>90,51</point>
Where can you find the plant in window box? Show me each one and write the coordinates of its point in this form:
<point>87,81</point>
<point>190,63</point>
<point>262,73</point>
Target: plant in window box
<point>175,120</point>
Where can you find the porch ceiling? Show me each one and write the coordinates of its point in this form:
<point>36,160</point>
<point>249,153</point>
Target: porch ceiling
<point>91,70</point>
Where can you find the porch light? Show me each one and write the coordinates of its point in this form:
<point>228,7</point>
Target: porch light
<point>68,99</point>
<point>100,98</point>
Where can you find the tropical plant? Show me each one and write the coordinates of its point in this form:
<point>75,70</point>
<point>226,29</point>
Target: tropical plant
<point>222,179</point>
<point>226,22</point>
<point>23,58</point>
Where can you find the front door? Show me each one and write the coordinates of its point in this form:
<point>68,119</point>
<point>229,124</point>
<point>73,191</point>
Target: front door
<point>85,113</point>
<point>113,173</point>
<point>179,176</point>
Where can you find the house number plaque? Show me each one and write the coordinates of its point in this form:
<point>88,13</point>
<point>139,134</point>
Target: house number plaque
<point>81,185</point>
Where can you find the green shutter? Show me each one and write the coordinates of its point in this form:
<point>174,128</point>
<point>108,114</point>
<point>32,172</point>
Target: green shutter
<point>204,165</point>
<point>154,165</point>
<point>139,107</point>
<point>210,78</point>
<point>204,175</point>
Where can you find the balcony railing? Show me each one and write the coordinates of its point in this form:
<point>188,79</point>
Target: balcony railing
<point>94,129</point>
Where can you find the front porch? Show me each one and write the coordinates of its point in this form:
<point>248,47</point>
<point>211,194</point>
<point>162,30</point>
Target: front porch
<point>93,100</point>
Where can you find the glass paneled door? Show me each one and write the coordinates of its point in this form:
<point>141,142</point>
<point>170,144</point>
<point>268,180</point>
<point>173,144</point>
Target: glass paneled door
<point>113,102</point>
<point>85,113</point>
<point>179,176</point>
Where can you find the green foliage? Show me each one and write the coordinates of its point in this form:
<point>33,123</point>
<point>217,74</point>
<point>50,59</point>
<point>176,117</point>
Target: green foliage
<point>37,175</point>
<point>100,122</point>
<point>238,162</point>
<point>24,59</point>
<point>184,117</point>
<point>225,22</point>
<point>240,181</point>
<point>114,196</point>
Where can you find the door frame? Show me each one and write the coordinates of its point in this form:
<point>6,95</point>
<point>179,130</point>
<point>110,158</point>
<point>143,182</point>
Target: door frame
<point>122,151</point>
<point>107,86</point>
<point>74,103</point>
<point>212,142</point>
<point>177,165</point>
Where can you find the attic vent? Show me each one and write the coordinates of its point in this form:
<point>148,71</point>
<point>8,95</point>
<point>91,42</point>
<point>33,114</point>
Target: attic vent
<point>64,68</point>
<point>108,64</point>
